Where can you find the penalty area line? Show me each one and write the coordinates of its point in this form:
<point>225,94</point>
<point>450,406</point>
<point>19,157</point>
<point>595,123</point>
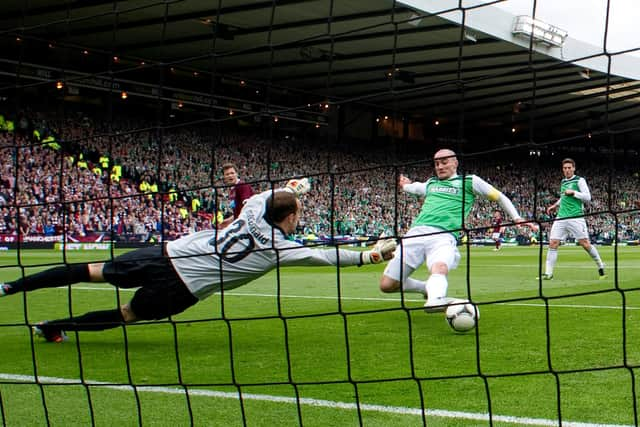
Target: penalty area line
<point>329,404</point>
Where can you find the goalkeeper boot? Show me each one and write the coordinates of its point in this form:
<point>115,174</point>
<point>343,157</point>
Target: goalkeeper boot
<point>436,305</point>
<point>49,333</point>
<point>4,289</point>
<point>546,276</point>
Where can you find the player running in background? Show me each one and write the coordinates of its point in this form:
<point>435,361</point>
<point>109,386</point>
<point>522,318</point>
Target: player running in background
<point>570,222</point>
<point>432,236</point>
<point>187,270</point>
<point>497,229</point>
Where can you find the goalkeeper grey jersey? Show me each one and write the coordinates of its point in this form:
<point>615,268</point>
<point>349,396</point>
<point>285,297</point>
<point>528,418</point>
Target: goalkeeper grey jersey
<point>245,250</point>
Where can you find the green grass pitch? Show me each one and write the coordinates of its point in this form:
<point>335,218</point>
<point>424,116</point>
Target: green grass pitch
<point>327,348</point>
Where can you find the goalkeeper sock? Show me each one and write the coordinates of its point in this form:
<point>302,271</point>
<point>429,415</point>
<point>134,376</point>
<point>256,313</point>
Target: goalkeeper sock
<point>552,257</point>
<point>413,285</point>
<point>51,278</point>
<point>436,287</point>
<point>93,321</point>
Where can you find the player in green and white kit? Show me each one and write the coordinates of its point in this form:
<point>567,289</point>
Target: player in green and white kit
<point>432,237</point>
<point>574,193</point>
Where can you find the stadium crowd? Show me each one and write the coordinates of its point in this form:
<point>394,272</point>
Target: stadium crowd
<point>129,180</point>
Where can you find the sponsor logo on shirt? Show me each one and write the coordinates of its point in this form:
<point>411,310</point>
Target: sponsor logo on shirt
<point>442,189</point>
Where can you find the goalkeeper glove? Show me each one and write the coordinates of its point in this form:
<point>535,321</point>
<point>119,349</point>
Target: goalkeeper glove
<point>382,251</point>
<point>299,186</point>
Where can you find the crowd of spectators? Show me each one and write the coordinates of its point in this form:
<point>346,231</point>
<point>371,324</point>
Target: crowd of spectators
<point>129,180</point>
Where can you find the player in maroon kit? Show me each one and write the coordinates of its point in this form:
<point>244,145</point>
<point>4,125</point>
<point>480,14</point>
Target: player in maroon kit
<point>497,229</point>
<point>237,194</point>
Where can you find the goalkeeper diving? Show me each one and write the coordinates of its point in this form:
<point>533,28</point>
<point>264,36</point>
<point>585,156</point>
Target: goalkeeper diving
<point>174,277</point>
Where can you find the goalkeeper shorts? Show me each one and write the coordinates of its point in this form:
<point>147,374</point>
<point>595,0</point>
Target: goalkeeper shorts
<point>161,294</point>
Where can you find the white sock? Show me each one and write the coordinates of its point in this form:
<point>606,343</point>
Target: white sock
<point>413,285</point>
<point>552,257</point>
<point>596,256</point>
<point>436,287</point>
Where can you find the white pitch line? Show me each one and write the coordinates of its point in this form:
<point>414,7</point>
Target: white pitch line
<point>440,413</point>
<point>604,307</point>
<point>243,294</point>
<point>565,266</point>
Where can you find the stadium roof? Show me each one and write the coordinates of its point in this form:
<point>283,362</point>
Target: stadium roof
<point>393,57</point>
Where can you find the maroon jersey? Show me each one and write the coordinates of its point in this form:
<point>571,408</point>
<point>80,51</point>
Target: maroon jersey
<point>496,225</point>
<point>237,195</point>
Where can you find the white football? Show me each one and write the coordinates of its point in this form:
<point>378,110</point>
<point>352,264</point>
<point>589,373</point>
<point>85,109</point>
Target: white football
<point>462,316</point>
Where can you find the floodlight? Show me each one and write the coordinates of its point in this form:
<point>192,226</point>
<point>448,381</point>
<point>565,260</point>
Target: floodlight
<point>401,75</point>
<point>540,32</point>
<point>470,36</point>
<point>414,20</point>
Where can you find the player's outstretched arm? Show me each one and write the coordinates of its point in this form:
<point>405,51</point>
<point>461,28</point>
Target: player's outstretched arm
<point>382,251</point>
<point>293,253</point>
<point>295,186</point>
<point>408,186</point>
<point>403,180</point>
<point>487,190</point>
<point>298,186</point>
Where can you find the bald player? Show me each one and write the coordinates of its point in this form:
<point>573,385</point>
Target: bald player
<point>432,236</point>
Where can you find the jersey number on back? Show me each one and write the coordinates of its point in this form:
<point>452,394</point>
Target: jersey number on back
<point>234,246</point>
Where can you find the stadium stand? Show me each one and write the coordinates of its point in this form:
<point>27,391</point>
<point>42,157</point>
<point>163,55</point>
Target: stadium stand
<point>115,161</point>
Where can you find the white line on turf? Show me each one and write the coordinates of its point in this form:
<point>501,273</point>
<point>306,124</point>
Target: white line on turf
<point>259,295</point>
<point>564,266</point>
<point>440,413</point>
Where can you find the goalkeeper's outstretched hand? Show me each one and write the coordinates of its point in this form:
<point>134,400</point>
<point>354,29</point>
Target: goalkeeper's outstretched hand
<point>299,186</point>
<point>382,251</point>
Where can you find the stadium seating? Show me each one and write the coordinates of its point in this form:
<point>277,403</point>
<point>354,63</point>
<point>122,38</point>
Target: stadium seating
<point>74,189</point>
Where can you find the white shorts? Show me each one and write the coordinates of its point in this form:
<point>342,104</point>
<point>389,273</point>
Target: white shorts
<point>420,245</point>
<point>572,227</point>
<point>495,236</point>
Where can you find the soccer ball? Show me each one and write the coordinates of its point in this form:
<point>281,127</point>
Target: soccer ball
<point>462,316</point>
